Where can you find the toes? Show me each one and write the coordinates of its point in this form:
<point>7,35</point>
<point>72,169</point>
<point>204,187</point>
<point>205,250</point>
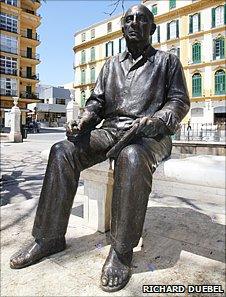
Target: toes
<point>110,282</point>
<point>116,281</point>
<point>104,280</point>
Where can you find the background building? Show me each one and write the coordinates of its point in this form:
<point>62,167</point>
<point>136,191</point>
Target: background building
<point>19,22</point>
<point>51,110</point>
<point>194,30</point>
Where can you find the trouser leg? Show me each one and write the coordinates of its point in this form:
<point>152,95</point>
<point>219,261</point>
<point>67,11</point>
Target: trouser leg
<point>58,191</point>
<point>65,163</point>
<point>132,186</point>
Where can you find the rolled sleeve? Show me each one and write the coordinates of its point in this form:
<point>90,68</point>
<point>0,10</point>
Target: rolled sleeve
<point>177,100</point>
<point>95,103</point>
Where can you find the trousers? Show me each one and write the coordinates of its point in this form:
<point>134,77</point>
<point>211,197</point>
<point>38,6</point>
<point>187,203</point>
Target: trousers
<point>133,171</point>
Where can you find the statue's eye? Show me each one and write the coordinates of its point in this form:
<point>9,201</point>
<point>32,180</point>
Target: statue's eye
<point>129,18</point>
<point>143,18</point>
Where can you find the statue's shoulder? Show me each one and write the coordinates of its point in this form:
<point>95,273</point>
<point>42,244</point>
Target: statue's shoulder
<point>167,57</point>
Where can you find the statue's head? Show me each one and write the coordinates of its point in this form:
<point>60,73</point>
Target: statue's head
<point>138,24</point>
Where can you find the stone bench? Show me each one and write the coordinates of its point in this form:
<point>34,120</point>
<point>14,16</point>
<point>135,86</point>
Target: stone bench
<point>202,177</point>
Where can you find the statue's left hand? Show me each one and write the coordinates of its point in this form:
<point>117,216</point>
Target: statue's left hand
<point>149,127</point>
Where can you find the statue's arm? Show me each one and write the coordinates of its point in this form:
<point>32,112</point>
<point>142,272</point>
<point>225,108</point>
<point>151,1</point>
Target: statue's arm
<point>94,108</point>
<point>177,99</point>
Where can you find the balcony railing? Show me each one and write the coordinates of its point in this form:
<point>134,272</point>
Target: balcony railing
<point>7,49</point>
<point>34,76</point>
<point>10,2</point>
<point>28,55</point>
<point>9,71</point>
<point>33,36</point>
<point>30,11</point>
<point>28,95</point>
<point>8,28</point>
<point>8,92</point>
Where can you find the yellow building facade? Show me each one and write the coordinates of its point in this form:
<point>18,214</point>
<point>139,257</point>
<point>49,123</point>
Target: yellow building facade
<point>194,30</point>
<point>19,58</point>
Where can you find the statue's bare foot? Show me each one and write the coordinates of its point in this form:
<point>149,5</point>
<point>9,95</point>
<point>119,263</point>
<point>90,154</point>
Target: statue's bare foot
<point>116,271</point>
<point>34,252</point>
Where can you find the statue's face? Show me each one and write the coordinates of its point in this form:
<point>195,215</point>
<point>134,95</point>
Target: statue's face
<point>138,25</point>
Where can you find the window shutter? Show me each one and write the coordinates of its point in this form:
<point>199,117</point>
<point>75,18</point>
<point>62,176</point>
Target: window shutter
<point>178,52</point>
<point>106,50</point>
<point>213,17</point>
<point>190,24</point>
<point>214,49</point>
<point>225,14</point>
<point>168,31</point>
<point>199,21</point>
<point>112,48</point>
<point>158,33</point>
<point>177,28</point>
<point>222,48</point>
<point>120,45</point>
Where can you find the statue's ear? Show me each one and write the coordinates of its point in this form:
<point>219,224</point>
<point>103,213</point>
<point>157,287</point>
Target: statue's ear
<point>153,28</point>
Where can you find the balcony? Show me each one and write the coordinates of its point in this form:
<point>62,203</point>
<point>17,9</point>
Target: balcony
<point>33,36</point>
<point>8,92</point>
<point>4,27</point>
<point>7,49</point>
<point>28,55</point>
<point>34,76</point>
<point>30,11</point>
<point>9,71</point>
<point>27,95</point>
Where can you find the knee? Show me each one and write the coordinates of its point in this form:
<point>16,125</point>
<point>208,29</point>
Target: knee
<point>62,148</point>
<point>131,155</point>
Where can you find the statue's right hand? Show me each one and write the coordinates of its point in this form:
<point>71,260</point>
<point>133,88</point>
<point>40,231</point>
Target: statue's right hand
<point>85,122</point>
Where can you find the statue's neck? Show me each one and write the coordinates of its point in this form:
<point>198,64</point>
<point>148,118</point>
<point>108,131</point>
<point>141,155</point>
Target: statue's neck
<point>136,49</point>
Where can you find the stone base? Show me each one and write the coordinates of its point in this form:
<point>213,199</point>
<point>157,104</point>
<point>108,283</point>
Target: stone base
<point>15,137</point>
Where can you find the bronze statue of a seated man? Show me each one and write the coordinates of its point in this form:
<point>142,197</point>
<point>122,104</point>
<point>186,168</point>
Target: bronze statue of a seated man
<point>143,87</point>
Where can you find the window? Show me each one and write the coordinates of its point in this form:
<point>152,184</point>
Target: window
<point>83,57</point>
<point>8,44</point>
<point>155,38</point>
<point>60,101</point>
<point>8,86</point>
<point>109,49</point>
<point>109,27</point>
<point>218,16</point>
<point>196,52</point>
<point>220,82</point>
<point>10,2</point>
<point>83,76</point>
<point>196,85</point>
<point>122,45</point>
<point>194,23</point>
<point>83,37</point>
<point>92,75</point>
<point>8,22</point>
<point>83,98</point>
<point>8,65</point>
<point>92,33</point>
<point>92,54</point>
<point>154,9</point>
<point>173,29</point>
<point>197,112</point>
<point>218,48</point>
<point>172,4</point>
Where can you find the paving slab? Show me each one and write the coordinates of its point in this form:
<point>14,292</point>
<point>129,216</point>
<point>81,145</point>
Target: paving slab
<point>180,246</point>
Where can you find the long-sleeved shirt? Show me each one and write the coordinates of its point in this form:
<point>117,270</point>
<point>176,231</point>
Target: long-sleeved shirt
<point>154,85</point>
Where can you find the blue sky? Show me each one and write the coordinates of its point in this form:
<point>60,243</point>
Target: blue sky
<point>60,20</point>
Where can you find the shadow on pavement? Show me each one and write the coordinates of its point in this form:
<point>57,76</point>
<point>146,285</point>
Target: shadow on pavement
<point>167,232</point>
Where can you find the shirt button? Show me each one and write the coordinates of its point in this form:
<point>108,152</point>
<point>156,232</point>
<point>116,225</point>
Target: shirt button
<point>125,92</point>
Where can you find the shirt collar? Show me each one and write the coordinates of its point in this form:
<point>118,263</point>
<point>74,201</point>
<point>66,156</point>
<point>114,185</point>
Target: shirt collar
<point>148,53</point>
